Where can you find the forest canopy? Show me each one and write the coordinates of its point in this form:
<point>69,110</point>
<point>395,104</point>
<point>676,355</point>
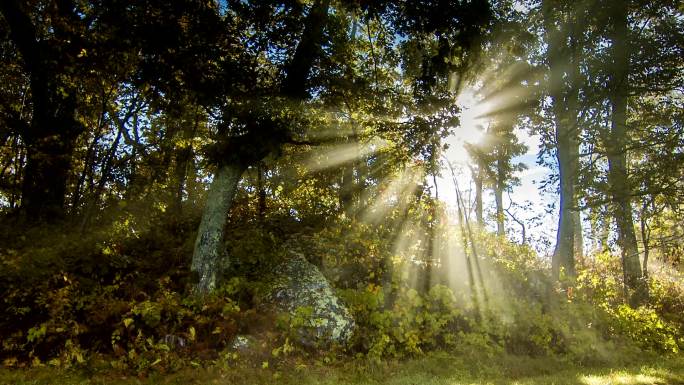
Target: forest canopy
<point>178,177</point>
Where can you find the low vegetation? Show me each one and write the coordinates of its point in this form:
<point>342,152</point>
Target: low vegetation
<point>139,317</point>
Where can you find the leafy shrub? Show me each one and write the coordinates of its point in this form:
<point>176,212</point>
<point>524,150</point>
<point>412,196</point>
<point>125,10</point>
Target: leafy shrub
<point>654,326</point>
<point>124,294</point>
<point>415,323</point>
<point>645,327</point>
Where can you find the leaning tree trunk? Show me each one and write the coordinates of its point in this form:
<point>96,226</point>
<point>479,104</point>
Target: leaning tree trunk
<point>208,254</point>
<point>616,139</point>
<point>261,140</point>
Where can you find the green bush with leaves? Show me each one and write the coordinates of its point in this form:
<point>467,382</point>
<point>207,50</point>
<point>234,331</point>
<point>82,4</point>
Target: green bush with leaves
<point>141,316</point>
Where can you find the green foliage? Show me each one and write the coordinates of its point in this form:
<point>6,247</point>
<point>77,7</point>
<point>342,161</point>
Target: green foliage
<point>170,329</point>
<point>117,294</point>
<point>656,326</point>
<point>142,319</point>
<point>415,324</point>
<point>646,328</point>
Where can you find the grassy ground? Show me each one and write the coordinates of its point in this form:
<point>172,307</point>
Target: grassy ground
<point>436,369</point>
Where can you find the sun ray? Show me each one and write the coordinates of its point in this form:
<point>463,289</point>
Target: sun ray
<point>392,196</point>
<point>322,158</point>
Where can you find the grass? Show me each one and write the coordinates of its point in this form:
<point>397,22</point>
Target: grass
<point>435,369</point>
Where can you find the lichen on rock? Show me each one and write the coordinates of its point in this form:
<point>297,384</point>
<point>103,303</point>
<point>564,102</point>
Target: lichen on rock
<point>304,293</point>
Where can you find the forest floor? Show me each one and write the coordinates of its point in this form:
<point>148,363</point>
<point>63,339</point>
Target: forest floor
<point>434,369</point>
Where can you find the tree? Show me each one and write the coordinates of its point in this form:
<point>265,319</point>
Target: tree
<point>564,29</point>
<point>616,152</point>
<point>51,56</point>
<point>262,135</point>
<point>495,165</point>
<point>509,85</point>
<point>630,115</point>
<point>505,148</point>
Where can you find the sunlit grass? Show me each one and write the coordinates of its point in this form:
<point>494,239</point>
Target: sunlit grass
<point>621,378</point>
<point>436,369</point>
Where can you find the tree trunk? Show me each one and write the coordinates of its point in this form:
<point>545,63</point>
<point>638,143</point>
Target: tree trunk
<point>645,239</point>
<point>604,234</point>
<point>261,193</point>
<point>563,92</point>
<point>51,136</point>
<point>346,196</point>
<point>578,242</point>
<point>477,176</point>
<point>564,253</point>
<point>87,161</point>
<point>184,157</point>
<point>498,197</point>
<point>106,167</point>
<point>208,254</point>
<point>48,166</point>
<point>616,139</point>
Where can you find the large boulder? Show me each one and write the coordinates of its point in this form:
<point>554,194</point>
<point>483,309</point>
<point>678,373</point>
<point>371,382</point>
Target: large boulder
<point>318,316</point>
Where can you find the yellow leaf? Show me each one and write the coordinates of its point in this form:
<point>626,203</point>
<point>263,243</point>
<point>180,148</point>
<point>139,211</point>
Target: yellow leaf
<point>127,322</point>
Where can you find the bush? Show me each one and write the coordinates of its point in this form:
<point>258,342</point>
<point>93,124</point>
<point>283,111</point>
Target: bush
<point>123,296</point>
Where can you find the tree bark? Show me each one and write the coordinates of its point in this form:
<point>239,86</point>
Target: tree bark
<point>209,251</point>
<point>347,182</point>
<point>261,192</point>
<point>564,95</point>
<point>615,142</point>
<point>563,256</point>
<point>184,157</point>
<point>48,167</point>
<point>645,238</point>
<point>578,241</point>
<point>498,197</point>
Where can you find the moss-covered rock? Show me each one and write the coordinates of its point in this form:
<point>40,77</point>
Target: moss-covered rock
<point>317,316</point>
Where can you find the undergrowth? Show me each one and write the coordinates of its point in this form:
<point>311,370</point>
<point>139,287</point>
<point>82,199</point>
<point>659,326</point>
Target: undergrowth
<point>119,296</point>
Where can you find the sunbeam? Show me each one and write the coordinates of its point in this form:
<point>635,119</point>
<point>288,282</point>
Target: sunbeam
<point>393,195</point>
<point>325,157</point>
